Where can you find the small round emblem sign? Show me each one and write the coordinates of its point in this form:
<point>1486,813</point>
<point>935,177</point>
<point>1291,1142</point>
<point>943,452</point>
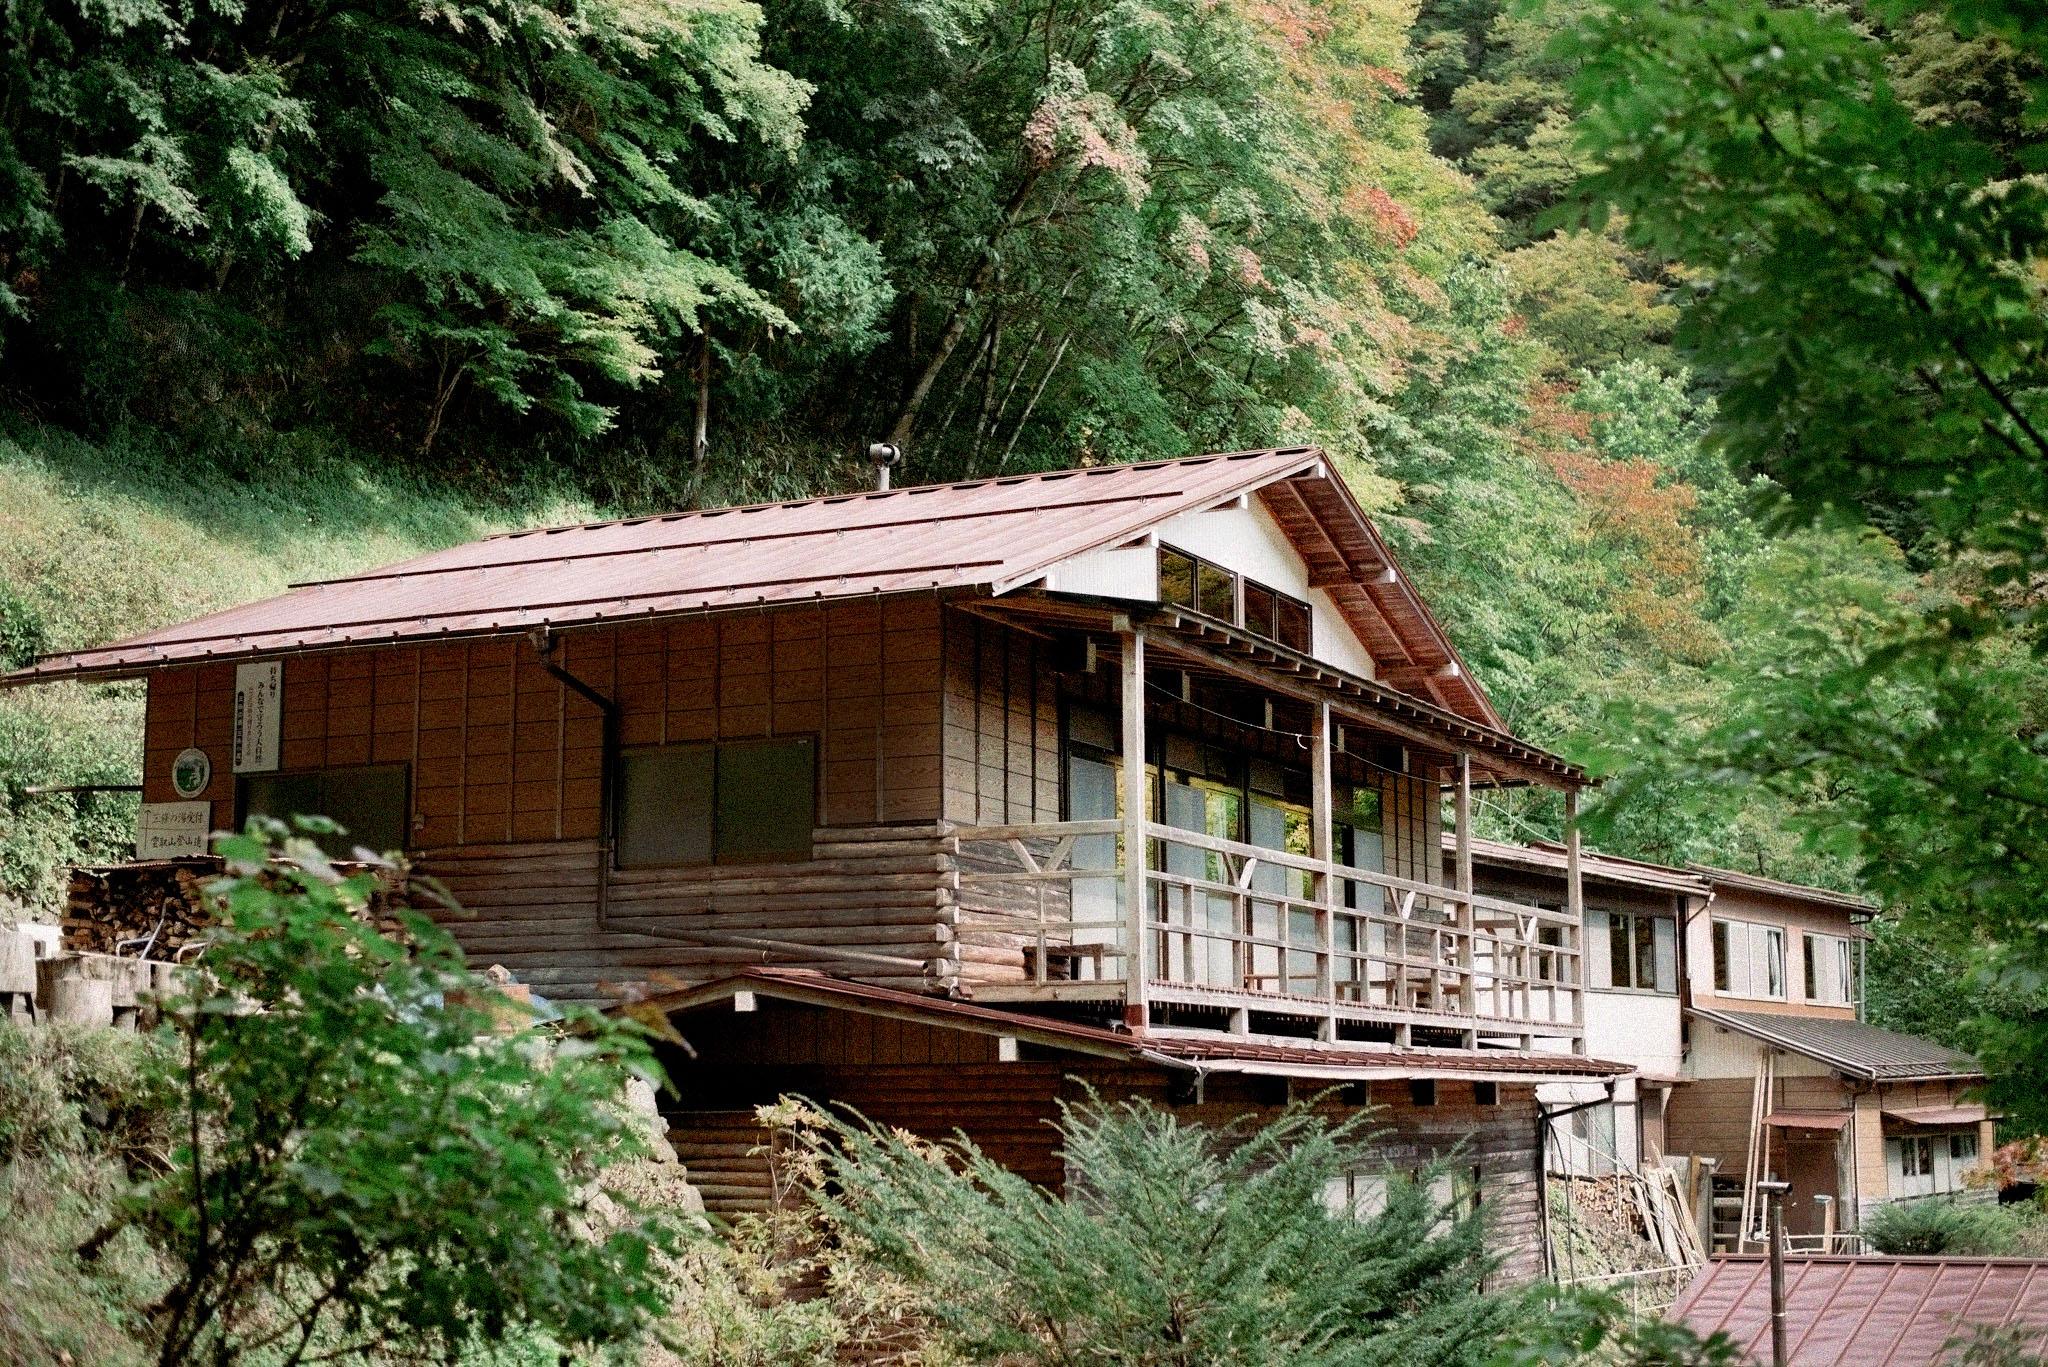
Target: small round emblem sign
<point>191,771</point>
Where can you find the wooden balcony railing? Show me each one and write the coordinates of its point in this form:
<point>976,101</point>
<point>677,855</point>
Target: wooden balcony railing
<point>1242,926</point>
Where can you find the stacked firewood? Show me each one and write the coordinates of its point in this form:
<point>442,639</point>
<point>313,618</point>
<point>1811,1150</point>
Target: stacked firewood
<point>131,902</point>
<point>153,908</point>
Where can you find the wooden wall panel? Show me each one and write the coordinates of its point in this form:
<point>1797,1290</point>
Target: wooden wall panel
<point>1001,725</point>
<point>503,752</point>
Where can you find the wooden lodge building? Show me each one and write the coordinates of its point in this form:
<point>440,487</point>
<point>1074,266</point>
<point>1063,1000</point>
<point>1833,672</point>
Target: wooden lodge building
<point>940,801</point>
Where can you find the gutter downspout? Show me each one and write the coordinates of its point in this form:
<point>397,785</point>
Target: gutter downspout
<point>544,642</point>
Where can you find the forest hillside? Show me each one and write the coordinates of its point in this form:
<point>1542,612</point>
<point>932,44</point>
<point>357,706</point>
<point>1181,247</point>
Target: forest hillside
<point>290,289</point>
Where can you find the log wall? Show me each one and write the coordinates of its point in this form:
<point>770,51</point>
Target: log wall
<point>868,891</point>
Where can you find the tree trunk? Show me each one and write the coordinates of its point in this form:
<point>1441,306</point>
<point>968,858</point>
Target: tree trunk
<point>700,441</point>
<point>956,321</point>
<point>1059,354</point>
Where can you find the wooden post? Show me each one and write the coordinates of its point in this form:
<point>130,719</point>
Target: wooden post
<point>1322,847</point>
<point>1137,971</point>
<point>1462,811</point>
<point>1575,908</point>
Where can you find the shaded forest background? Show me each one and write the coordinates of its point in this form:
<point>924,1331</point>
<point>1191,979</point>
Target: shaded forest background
<point>290,287</point>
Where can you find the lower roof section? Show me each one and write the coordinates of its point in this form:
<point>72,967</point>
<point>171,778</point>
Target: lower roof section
<point>1861,1312</point>
<point>1850,1047</point>
<point>1184,1051</point>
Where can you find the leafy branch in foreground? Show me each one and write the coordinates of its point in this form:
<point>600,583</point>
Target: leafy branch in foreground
<point>372,1157</point>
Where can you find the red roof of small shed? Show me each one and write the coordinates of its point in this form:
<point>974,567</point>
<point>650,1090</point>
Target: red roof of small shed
<point>1868,1312</point>
<point>1202,1051</point>
<point>989,535</point>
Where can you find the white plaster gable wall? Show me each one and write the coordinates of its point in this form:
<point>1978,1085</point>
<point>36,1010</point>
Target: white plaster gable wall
<point>1640,1029</point>
<point>1244,539</point>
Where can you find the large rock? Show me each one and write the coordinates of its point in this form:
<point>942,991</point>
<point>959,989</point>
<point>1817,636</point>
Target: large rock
<point>645,1108</point>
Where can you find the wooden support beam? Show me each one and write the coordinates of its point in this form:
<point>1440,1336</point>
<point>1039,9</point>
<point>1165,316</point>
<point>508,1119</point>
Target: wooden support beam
<point>1462,814</point>
<point>1408,678</point>
<point>1575,907</point>
<point>1137,972</point>
<point>1322,848</point>
<point>1367,573</point>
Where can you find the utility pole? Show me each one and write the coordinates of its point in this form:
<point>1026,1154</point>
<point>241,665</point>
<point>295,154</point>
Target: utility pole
<point>1774,1201</point>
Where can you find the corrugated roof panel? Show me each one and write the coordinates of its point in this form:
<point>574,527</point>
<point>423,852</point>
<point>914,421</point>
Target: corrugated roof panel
<point>1849,1045</point>
<point>914,539</point>
<point>1867,1312</point>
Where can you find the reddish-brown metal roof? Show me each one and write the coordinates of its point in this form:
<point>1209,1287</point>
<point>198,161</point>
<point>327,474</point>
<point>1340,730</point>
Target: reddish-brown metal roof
<point>1868,1312</point>
<point>1808,1120</point>
<point>1969,1114</point>
<point>937,537</point>
<point>990,535</point>
<point>1222,1053</point>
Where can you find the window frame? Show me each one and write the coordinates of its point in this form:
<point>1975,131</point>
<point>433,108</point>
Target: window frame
<point>1662,965</point>
<point>1241,588</point>
<point>795,854</point>
<point>1813,944</point>
<point>243,782</point>
<point>1759,966</point>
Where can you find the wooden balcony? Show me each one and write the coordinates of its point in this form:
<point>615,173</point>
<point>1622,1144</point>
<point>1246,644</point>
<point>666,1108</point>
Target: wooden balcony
<point>1252,934</point>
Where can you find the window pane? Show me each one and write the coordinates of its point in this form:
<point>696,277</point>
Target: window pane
<point>1259,602</point>
<point>664,806</point>
<point>370,805</point>
<point>1176,578</point>
<point>767,799</point>
<point>1599,959</point>
<point>1722,976</point>
<point>1216,592</point>
<point>1774,950</point>
<point>1291,627</point>
<point>1618,951</point>
<point>1646,953</point>
<point>1666,932</point>
<point>1812,958</point>
<point>282,796</point>
<point>368,801</point>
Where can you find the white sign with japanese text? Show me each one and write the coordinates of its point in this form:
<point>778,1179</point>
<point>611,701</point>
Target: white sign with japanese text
<point>168,830</point>
<point>259,692</point>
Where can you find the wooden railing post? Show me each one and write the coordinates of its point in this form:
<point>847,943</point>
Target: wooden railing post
<point>1137,972</point>
<point>1322,832</point>
<point>1575,907</point>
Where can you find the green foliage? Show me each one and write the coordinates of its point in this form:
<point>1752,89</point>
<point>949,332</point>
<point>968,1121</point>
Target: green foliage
<point>1589,1327</point>
<point>81,1112</point>
<point>1935,1226</point>
<point>1867,304</point>
<point>65,1091</point>
<point>1176,1245</point>
<point>371,1161</point>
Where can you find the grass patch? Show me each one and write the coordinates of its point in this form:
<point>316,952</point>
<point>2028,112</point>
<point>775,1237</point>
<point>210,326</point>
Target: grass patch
<point>80,1114</point>
<point>100,539</point>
